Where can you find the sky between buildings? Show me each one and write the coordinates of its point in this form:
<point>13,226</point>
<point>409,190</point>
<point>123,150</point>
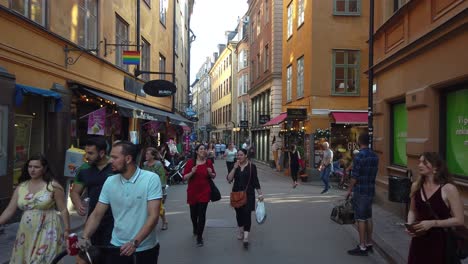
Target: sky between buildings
<point>210,20</point>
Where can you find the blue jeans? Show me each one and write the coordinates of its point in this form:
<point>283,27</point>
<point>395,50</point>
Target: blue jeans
<point>325,176</point>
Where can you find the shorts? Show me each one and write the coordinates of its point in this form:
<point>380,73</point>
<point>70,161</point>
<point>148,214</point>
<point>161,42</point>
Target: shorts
<point>362,206</point>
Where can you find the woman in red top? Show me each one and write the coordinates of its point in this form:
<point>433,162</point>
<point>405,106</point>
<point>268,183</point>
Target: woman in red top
<point>197,171</point>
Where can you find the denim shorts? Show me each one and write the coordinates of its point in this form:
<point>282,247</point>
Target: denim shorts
<point>362,205</point>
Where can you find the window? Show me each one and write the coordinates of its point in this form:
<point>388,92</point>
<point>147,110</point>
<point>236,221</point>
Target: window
<point>258,66</point>
<point>289,83</point>
<point>32,9</point>
<point>121,37</point>
<point>454,130</point>
<point>259,24</point>
<point>266,59</point>
<point>399,119</point>
<point>290,31</point>
<point>176,39</point>
<point>146,60</point>
<point>347,7</point>
<point>162,11</point>
<point>300,12</point>
<point>300,77</point>
<point>87,24</point>
<point>266,14</point>
<point>397,4</point>
<point>345,72</point>
<point>162,66</point>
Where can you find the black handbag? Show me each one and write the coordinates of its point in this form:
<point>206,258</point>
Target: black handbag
<point>343,213</point>
<point>215,195</point>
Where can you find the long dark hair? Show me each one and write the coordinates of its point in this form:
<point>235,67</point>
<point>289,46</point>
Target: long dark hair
<point>195,152</point>
<point>441,175</point>
<point>48,176</point>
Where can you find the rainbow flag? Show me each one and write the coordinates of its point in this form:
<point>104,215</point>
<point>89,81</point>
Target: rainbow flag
<point>131,57</point>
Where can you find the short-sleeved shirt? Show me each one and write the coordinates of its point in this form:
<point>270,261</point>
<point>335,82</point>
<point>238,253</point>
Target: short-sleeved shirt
<point>231,154</point>
<point>365,166</point>
<point>128,200</point>
<point>328,154</point>
<point>218,147</point>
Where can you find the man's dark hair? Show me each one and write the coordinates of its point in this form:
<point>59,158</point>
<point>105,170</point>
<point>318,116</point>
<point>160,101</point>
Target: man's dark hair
<point>363,139</point>
<point>99,142</point>
<point>128,148</point>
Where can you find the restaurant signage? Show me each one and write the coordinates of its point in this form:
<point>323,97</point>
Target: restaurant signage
<point>159,88</point>
<point>297,113</point>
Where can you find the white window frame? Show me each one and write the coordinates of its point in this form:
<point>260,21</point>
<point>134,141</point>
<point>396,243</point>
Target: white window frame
<point>346,12</point>
<point>300,12</point>
<point>163,11</point>
<point>145,59</point>
<point>300,77</point>
<point>289,83</point>
<point>290,22</point>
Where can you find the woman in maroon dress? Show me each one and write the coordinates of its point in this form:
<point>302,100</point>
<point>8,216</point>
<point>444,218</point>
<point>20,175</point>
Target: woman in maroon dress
<point>435,185</point>
<point>197,171</point>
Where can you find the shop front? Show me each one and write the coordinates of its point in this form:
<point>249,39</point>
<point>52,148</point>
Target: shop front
<point>345,128</point>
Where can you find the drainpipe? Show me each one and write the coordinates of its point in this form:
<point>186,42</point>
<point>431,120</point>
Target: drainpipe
<point>371,76</point>
<point>173,52</point>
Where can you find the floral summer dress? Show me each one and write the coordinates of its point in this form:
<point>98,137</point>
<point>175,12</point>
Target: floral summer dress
<point>40,234</point>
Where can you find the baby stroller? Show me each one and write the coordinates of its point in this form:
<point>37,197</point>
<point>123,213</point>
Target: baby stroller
<point>175,172</point>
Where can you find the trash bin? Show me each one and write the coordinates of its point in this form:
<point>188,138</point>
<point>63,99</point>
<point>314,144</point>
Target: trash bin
<point>399,189</point>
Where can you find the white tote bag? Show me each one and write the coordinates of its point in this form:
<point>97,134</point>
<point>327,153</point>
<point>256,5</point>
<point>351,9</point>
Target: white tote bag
<point>260,213</point>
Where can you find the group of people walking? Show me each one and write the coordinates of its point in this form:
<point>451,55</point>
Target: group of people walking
<point>126,202</point>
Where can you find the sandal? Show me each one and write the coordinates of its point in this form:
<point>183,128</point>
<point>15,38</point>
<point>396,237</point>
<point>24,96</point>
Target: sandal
<point>164,226</point>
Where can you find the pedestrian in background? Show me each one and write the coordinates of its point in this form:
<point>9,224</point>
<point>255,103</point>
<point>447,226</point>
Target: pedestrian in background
<point>275,148</point>
<point>244,175</point>
<point>217,149</point>
<point>362,186</point>
<point>326,166</point>
<point>198,171</point>
<point>222,150</point>
<point>90,178</point>
<point>41,235</point>
<point>154,164</point>
<point>211,152</point>
<point>294,157</point>
<point>435,205</point>
<point>134,195</point>
<point>230,155</point>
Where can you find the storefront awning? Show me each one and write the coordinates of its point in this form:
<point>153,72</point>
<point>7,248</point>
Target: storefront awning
<point>135,110</point>
<point>350,117</point>
<point>276,120</point>
<point>22,90</point>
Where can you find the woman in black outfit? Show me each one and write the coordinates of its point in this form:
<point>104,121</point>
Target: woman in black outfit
<point>294,157</point>
<point>245,177</point>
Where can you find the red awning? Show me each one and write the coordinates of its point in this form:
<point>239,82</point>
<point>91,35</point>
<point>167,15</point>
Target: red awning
<point>350,117</point>
<point>278,119</point>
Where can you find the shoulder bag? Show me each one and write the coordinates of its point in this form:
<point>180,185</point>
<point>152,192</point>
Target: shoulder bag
<point>239,199</point>
<point>457,238</point>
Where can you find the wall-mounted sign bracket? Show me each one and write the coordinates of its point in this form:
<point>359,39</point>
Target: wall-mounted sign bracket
<point>117,45</point>
<point>70,60</point>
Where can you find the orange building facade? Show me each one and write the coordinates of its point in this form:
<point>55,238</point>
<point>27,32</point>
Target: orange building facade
<point>421,88</point>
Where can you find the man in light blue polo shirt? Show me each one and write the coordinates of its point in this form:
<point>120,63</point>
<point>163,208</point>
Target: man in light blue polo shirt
<point>134,196</point>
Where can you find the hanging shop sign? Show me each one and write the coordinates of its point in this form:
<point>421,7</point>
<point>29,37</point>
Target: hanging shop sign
<point>263,119</point>
<point>297,113</point>
<point>244,124</point>
<point>159,88</point>
<point>97,122</point>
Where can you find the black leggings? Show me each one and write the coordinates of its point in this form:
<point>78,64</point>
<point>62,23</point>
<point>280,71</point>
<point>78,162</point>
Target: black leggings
<point>243,217</point>
<point>294,171</point>
<point>198,215</point>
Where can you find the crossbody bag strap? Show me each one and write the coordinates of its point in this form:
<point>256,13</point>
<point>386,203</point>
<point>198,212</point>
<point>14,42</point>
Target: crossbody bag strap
<point>250,176</point>
<point>430,207</point>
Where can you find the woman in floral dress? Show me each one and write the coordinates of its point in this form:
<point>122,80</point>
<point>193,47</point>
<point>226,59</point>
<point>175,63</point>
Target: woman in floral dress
<point>41,235</point>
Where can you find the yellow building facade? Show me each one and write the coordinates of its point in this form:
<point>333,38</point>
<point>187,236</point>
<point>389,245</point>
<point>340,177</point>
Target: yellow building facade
<point>69,51</point>
<point>223,79</point>
<point>325,57</point>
